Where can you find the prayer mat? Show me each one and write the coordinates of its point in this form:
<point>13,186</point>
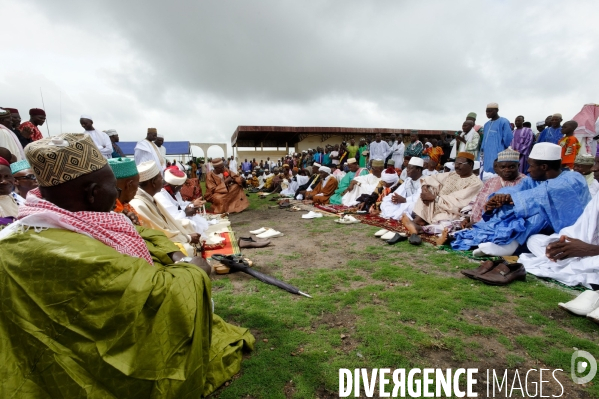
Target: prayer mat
<point>230,246</point>
<point>332,208</point>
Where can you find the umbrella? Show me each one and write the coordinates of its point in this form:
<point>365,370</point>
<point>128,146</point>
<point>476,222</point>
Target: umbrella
<point>239,264</point>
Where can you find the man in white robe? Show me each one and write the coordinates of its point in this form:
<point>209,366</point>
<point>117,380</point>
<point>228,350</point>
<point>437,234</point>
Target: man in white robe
<point>183,211</point>
<point>397,149</point>
<point>404,198</point>
<point>8,139</point>
<point>363,184</point>
<point>570,256</point>
<point>233,166</point>
<point>160,144</point>
<point>379,149</point>
<point>585,164</point>
<point>146,150</point>
<point>467,140</point>
<point>101,139</point>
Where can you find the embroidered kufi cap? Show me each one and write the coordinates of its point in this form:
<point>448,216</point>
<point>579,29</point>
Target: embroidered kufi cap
<point>63,158</point>
<point>378,163</point>
<point>19,166</point>
<point>508,155</point>
<point>581,159</point>
<point>147,170</point>
<point>123,167</point>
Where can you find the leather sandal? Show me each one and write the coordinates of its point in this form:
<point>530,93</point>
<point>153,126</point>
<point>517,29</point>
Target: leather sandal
<point>415,239</point>
<point>504,274</point>
<point>483,268</point>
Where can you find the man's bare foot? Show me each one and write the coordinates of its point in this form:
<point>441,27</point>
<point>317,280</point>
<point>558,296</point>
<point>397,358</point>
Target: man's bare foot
<point>411,226</point>
<point>443,238</point>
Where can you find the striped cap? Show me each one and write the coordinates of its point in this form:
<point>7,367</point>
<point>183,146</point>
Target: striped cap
<point>508,155</point>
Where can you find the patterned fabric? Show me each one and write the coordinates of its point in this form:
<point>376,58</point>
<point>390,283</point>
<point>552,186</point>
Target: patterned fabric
<point>29,128</point>
<point>414,149</point>
<point>570,147</point>
<point>490,186</point>
<point>54,164</point>
<point>112,229</point>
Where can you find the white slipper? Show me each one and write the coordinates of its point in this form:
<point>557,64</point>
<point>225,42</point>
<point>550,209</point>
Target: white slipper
<point>347,220</point>
<point>381,232</point>
<point>311,215</point>
<point>388,235</point>
<point>594,316</point>
<point>260,230</point>
<point>583,304</point>
<point>270,234</point>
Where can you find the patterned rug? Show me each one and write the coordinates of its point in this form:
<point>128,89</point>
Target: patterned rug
<point>229,246</point>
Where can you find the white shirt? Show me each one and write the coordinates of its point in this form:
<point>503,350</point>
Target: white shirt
<point>397,151</point>
<point>379,150</point>
<point>233,166</point>
<point>102,141</point>
<point>426,172</point>
<point>10,141</point>
<point>162,150</point>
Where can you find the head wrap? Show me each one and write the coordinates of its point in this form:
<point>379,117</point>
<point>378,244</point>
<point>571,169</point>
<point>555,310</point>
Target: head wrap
<point>152,130</point>
<point>5,162</point>
<point>428,144</point>
<point>63,158</point>
<point>581,159</point>
<point>542,152</point>
<point>416,162</point>
<point>12,110</point>
<point>19,166</point>
<point>466,155</point>
<point>471,115</point>
<point>316,164</point>
<point>123,167</point>
<point>351,160</point>
<point>147,170</point>
<point>378,162</point>
<point>37,111</point>
<point>541,123</point>
<point>450,166</point>
<point>174,176</point>
<point>508,155</point>
<point>557,114</point>
<point>476,165</point>
<point>325,169</point>
<point>111,132</point>
<point>493,105</point>
<point>389,176</point>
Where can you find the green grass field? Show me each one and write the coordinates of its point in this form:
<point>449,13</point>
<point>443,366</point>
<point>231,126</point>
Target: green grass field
<point>392,306</point>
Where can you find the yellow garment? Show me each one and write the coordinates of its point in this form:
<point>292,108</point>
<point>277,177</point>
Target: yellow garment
<point>8,206</point>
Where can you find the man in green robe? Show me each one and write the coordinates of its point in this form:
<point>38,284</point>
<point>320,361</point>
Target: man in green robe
<point>354,170</point>
<point>93,306</point>
<point>362,153</point>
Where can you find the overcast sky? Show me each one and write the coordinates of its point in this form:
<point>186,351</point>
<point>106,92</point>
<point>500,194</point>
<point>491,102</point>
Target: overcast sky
<point>197,69</point>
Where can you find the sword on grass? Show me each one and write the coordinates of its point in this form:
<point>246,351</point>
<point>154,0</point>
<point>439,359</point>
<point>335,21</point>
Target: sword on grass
<point>240,264</point>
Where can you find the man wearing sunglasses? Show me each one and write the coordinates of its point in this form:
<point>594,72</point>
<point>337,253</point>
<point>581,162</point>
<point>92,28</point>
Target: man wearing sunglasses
<point>24,180</point>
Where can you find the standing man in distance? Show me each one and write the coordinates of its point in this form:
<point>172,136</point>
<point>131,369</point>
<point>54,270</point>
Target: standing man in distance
<point>146,150</point>
<point>159,142</point>
<point>379,149</point>
<point>114,139</point>
<point>397,149</point>
<point>100,138</point>
<point>522,142</point>
<point>29,129</point>
<point>497,137</point>
<point>553,132</point>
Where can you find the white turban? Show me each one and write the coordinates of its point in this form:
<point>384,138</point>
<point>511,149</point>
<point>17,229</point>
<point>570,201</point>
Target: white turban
<point>325,169</point>
<point>175,177</point>
<point>390,177</point>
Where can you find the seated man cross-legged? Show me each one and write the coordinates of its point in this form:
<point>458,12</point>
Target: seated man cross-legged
<point>443,196</point>
<point>546,201</point>
<point>96,307</point>
<point>403,199</point>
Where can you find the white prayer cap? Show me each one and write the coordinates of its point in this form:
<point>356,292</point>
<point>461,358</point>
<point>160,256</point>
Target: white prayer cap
<point>557,114</point>
<point>493,105</point>
<point>325,169</point>
<point>541,123</point>
<point>428,144</point>
<point>389,176</point>
<point>416,162</point>
<point>450,166</point>
<point>160,135</point>
<point>85,116</point>
<point>110,132</point>
<point>546,152</point>
<point>175,177</point>
<point>147,170</point>
<point>351,160</point>
<point>476,165</point>
<point>317,165</point>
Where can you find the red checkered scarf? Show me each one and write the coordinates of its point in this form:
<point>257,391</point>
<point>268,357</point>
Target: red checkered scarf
<point>113,229</point>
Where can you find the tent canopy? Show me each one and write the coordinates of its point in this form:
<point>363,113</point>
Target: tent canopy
<point>172,147</point>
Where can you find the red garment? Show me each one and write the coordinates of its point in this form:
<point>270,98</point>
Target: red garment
<point>25,127</point>
<point>113,229</point>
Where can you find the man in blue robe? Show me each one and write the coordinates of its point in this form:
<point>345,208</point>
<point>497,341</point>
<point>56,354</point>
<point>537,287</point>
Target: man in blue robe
<point>546,201</point>
<point>496,138</point>
<point>553,132</point>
